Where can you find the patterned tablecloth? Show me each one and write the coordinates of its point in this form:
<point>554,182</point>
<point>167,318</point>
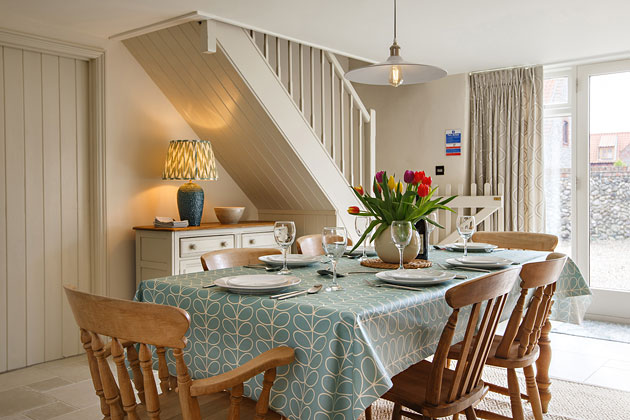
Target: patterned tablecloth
<point>348,344</point>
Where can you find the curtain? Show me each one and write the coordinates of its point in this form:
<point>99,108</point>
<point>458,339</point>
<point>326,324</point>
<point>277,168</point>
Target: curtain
<point>506,144</point>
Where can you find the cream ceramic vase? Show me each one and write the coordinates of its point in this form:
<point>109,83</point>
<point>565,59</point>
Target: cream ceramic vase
<point>387,251</point>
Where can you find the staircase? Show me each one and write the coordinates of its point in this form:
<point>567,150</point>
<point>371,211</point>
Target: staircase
<point>284,123</point>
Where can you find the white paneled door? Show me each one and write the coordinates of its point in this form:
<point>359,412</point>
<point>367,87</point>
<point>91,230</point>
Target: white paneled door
<point>44,203</point>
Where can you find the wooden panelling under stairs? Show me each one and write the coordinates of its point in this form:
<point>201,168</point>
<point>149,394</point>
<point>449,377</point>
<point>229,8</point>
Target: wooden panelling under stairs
<point>235,100</point>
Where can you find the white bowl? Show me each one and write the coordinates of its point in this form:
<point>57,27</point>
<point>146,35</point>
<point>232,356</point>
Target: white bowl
<point>229,215</point>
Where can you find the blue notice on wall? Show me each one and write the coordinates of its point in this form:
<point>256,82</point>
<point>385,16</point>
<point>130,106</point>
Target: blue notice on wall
<point>453,142</point>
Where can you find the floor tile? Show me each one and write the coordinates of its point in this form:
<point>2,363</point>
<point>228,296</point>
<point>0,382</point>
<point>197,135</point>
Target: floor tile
<point>71,372</point>
<point>48,384</point>
<point>17,400</point>
<point>79,395</point>
<point>618,364</point>
<point>573,366</point>
<point>23,376</point>
<point>88,413</point>
<point>611,378</point>
<point>50,411</point>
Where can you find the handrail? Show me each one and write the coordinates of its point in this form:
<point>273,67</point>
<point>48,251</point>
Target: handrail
<point>348,86</point>
<point>324,102</point>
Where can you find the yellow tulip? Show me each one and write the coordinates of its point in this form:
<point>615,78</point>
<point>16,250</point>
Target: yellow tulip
<point>391,183</point>
<point>400,187</point>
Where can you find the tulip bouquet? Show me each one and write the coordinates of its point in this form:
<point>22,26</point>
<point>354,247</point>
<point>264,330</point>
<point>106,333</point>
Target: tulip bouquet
<point>394,200</point>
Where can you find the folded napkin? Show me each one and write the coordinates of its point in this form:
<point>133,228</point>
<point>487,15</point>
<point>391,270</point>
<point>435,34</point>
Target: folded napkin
<point>169,222</point>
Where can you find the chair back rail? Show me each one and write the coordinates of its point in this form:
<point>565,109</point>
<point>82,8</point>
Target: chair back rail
<point>518,240</point>
<point>312,244</point>
<point>235,257</point>
<point>542,277</point>
<point>488,293</point>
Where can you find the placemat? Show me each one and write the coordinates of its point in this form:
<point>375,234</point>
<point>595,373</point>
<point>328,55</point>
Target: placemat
<point>378,263</point>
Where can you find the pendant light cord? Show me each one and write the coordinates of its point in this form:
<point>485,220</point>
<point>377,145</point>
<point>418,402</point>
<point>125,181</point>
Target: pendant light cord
<point>395,14</point>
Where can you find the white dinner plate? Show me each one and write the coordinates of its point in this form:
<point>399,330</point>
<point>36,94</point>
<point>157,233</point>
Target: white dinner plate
<point>256,280</point>
<point>422,278</point>
<point>478,263</point>
<point>369,251</point>
<point>473,246</point>
<point>293,260</point>
<point>248,285</point>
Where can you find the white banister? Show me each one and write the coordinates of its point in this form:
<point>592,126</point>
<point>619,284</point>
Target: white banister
<point>348,86</point>
<point>348,138</point>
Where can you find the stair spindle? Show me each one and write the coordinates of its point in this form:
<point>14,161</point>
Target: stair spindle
<point>312,63</point>
<point>301,68</point>
<point>323,98</point>
<point>290,45</point>
<point>332,112</point>
<point>278,61</point>
<point>351,124</point>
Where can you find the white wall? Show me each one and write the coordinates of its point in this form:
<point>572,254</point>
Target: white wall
<point>140,123</point>
<point>411,122</point>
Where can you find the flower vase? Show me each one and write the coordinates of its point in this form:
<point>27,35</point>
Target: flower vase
<point>387,251</point>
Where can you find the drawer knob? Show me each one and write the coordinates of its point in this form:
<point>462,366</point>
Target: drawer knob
<point>252,241</point>
<point>223,244</point>
<point>192,246</point>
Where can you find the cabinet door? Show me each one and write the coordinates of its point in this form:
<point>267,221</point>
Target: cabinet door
<point>190,266</point>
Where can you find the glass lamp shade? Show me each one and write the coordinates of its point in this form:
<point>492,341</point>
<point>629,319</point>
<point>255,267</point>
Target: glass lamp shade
<point>190,159</point>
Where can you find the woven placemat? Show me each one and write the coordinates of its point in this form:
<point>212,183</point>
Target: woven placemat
<point>378,263</point>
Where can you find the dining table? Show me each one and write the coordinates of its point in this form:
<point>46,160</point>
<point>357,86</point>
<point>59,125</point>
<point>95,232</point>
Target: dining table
<point>348,344</point>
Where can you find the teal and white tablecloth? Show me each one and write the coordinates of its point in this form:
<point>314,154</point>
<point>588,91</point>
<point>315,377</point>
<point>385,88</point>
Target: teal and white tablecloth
<point>348,344</point>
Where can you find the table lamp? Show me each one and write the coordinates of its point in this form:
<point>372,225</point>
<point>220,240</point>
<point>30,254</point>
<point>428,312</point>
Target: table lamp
<point>190,160</point>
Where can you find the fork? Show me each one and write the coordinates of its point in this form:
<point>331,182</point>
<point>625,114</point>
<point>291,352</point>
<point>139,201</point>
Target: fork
<point>481,270</point>
<point>263,267</point>
<point>394,286</point>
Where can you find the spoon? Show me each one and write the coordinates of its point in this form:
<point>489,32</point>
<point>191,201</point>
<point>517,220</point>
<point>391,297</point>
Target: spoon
<point>315,289</point>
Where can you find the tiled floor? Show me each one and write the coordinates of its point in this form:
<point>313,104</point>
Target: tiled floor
<point>63,389</point>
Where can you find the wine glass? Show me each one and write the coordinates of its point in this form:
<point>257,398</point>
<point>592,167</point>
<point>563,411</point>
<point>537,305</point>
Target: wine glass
<point>284,234</point>
<point>430,226</point>
<point>334,241</point>
<point>401,236</point>
<point>466,227</point>
<point>361,223</point>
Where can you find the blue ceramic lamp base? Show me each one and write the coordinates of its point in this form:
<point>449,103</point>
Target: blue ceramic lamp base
<point>190,203</point>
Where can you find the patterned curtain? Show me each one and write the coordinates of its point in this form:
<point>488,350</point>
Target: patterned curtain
<point>506,145</point>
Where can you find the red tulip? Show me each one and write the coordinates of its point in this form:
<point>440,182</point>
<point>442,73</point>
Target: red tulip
<point>427,181</point>
<point>359,189</point>
<point>418,177</point>
<point>423,190</point>
<point>353,210</point>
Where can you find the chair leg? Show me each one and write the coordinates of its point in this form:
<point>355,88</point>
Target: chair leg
<point>368,413</point>
<point>532,392</point>
<point>515,395</point>
<point>470,414</point>
<point>396,413</point>
<point>542,366</point>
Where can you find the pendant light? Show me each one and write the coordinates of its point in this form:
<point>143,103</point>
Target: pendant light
<point>395,71</point>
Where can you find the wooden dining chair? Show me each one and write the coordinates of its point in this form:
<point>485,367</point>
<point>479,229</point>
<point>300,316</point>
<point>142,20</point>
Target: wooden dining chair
<point>518,240</point>
<point>433,389</point>
<point>235,257</point>
<point>147,327</point>
<point>312,245</point>
<point>518,347</point>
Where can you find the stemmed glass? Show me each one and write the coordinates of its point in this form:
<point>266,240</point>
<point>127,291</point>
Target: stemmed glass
<point>284,234</point>
<point>430,226</point>
<point>401,236</point>
<point>361,223</point>
<point>466,227</point>
<point>334,241</point>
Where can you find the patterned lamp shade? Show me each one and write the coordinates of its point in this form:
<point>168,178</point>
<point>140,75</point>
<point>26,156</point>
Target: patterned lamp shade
<point>190,159</point>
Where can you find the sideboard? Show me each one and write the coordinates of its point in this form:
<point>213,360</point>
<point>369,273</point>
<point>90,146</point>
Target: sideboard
<point>162,252</point>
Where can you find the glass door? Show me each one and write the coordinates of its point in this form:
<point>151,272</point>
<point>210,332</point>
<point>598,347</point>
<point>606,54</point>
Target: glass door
<point>603,185</point>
